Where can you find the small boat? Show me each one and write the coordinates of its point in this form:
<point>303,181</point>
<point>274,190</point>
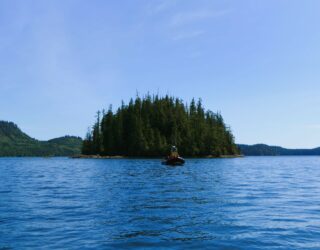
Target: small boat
<point>178,161</point>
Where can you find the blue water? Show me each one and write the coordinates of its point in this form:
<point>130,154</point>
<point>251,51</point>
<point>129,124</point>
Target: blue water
<point>244,203</point>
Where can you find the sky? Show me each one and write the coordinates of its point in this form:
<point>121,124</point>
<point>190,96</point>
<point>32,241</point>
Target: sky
<point>256,62</point>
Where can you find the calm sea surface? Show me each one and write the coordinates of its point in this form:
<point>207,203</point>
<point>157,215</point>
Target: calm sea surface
<point>244,203</point>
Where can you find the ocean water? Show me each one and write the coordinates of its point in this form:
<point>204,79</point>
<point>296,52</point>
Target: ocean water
<point>242,203</point>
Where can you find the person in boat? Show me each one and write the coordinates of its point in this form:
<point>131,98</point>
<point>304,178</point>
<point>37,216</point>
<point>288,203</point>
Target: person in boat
<point>173,153</point>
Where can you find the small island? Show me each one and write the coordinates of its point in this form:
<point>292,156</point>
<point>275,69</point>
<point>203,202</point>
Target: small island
<point>147,126</point>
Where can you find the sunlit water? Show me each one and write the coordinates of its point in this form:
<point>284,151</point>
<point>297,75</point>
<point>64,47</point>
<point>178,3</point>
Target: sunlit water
<point>244,203</point>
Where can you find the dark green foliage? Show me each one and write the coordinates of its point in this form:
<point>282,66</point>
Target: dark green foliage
<point>13,142</point>
<point>148,126</point>
<point>262,149</point>
<point>66,145</point>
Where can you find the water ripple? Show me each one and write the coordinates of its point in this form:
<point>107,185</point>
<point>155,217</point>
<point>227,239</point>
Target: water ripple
<point>249,203</point>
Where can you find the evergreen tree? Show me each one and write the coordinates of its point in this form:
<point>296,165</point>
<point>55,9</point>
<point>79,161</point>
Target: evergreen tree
<point>108,133</point>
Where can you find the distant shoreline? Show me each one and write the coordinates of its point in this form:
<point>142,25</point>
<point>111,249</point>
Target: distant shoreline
<point>266,150</point>
<point>148,157</point>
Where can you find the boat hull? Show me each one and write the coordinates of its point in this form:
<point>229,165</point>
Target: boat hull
<point>179,161</point>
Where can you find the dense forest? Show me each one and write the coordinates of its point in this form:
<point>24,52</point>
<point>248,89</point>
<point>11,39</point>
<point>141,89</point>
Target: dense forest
<point>148,126</point>
<point>13,142</point>
<point>262,149</point>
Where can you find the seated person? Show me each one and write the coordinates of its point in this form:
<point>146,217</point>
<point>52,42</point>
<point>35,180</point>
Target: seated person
<point>174,152</point>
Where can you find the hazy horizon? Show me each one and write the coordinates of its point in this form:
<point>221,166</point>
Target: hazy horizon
<point>255,62</point>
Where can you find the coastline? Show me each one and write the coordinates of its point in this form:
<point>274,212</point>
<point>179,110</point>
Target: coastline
<point>143,157</point>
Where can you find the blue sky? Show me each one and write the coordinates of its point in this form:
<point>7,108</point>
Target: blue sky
<point>258,62</point>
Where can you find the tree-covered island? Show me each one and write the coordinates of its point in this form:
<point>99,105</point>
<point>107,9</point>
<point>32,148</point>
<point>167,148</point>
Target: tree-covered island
<point>146,127</point>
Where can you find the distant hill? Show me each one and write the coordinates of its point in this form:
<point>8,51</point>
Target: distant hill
<point>263,149</point>
<point>14,142</point>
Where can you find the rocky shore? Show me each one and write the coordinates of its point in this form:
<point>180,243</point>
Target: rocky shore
<point>97,157</point>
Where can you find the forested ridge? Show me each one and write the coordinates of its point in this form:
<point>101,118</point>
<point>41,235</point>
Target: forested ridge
<point>263,149</point>
<point>14,142</point>
<point>148,126</point>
